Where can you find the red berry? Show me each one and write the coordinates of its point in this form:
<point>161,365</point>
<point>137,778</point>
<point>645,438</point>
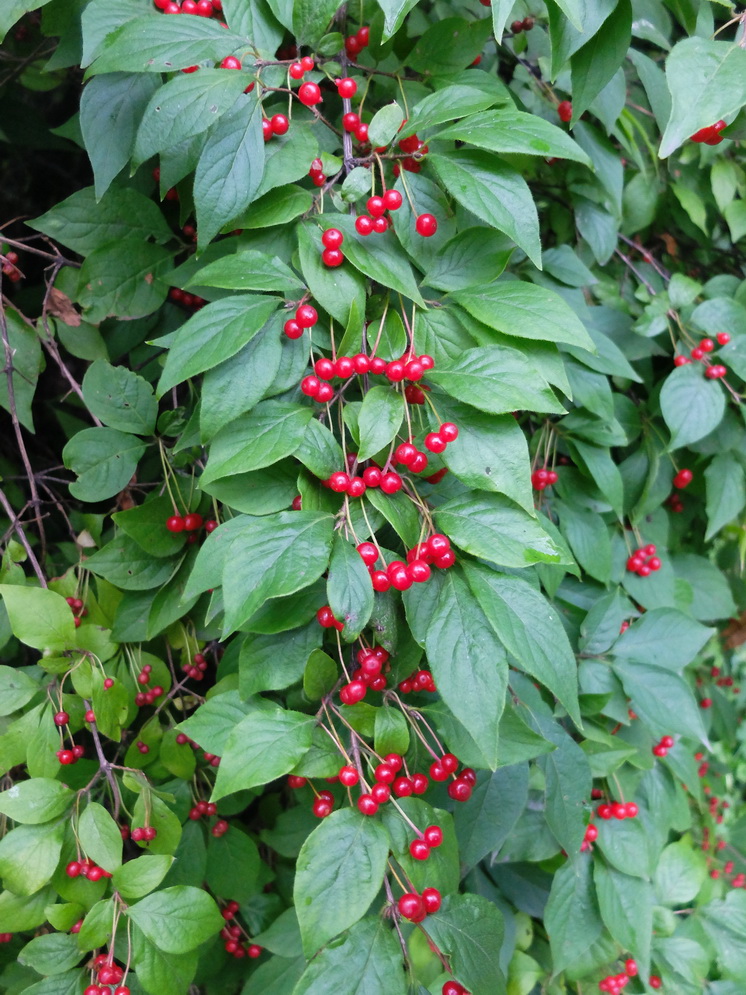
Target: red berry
<point>380,793</point>
<point>372,476</point>
<point>435,443</point>
<point>192,522</point>
<point>448,431</point>
<point>395,371</point>
<point>306,316</point>
<point>353,692</point>
<point>682,479</point>
<point>332,258</point>
<point>391,483</point>
<point>392,200</point>
<point>426,225</point>
<point>348,776</point>
<point>723,338</point>
<point>380,580</point>
<point>350,122</point>
<point>420,783</point>
<point>367,805</point>
<point>346,88</point>
<point>292,329</point>
<point>344,368</point>
<point>667,741</point>
<point>230,62</point>
<point>361,133</point>
<point>412,907</point>
<point>419,849</point>
<point>380,225</point>
<point>332,238</point>
<point>402,787</point>
<point>61,719</point>
<point>376,206</point>
<point>654,981</point>
<point>356,488</point>
<point>432,899</point>
<point>433,836</point>
<point>309,94</point>
<point>564,110</point>
<point>279,123</point>
<point>175,523</point>
<point>632,810</point>
<point>364,225</point>
<point>296,71</point>
<point>368,552</point>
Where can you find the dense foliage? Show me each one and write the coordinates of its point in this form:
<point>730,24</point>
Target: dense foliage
<point>372,472</point>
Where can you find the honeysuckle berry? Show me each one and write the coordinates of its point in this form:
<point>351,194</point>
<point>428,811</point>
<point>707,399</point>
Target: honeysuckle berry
<point>380,580</point>
<point>453,987</point>
<point>391,483</point>
<point>564,111</point>
<point>175,523</point>
<point>654,981</point>
<point>367,805</point>
<point>347,88</point>
<point>426,225</point>
<point>419,849</point>
<point>361,133</point>
<point>715,372</point>
<point>433,836</point>
<point>296,71</point>
<point>309,94</point>
<point>332,238</point>
<point>372,476</point>
<point>348,776</point>
<point>350,122</point>
<point>332,258</point>
<point>723,338</point>
<point>411,907</point>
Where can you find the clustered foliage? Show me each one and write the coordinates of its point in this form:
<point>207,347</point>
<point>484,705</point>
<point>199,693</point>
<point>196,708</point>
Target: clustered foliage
<point>371,480</point>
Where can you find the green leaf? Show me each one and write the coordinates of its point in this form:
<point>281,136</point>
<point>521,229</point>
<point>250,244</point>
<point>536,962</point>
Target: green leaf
<point>531,631</point>
<point>146,524</point>
<point>120,398</point>
<point>496,380</point>
<point>248,270</point>
<point>572,917</point>
<point>264,745</point>
<point>494,192</point>
<point>123,563</point>
<point>662,699</point>
<point>26,367</point>
<point>469,930</point>
<point>594,65</point>
<point>319,450</point>
<point>680,872</point>
<point>230,167</point>
<point>725,922</point>
<point>626,905</point>
<point>83,224</point>
<point>707,80</point>
<point>319,676</point>
<point>367,959</point>
<point>449,45</point>
<point>214,334</point>
<point>726,492</point>
<point>39,617</point>
<point>399,511</point>
<point>391,733</point>
<point>212,723</point>
<point>588,537</point>
<point>380,418</point>
<point>665,635</point>
<point>472,258</point>
<point>139,877</point>
<point>255,22</point>
<point>14,11</point>
<point>35,801</point>
<point>382,259</point>
<point>526,311</point>
<point>349,588</point>
<point>395,11</point>
<point>467,662</point>
<point>385,123</point>
<point>163,44</point>
<point>17,688</point>
<point>339,872</point>
<point>111,108</point>
<point>691,405</point>
<point>493,528</point>
<point>29,856</point>
<point>311,19</point>
<point>177,920</point>
<point>273,430</point>
<point>233,865</point>
<point>490,454</point>
<point>167,974</point>
<point>453,101</point>
<point>627,846</point>
<point>123,279</point>
<point>53,955</point>
<point>185,106</point>
<point>493,810</point>
<point>19,912</point>
<point>271,662</point>
<point>510,131</point>
<point>100,836</point>
<point>104,460</point>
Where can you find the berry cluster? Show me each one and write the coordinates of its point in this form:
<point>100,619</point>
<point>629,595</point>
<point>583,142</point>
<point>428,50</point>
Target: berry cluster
<point>713,371</point>
<point>306,316</point>
<point>591,835</point>
<point>70,756</point>
<point>278,124</point>
<point>143,834</point>
<point>399,575</point>
<point>190,523</point>
<point>429,839</point>
<point>9,266</point>
<point>543,478</point>
<point>643,561</point>
<point>415,907</point>
<point>414,150</point>
<point>202,808</point>
<point>354,44</point>
<point>316,172</point>
<point>147,697</point>
<point>232,936</point>
<point>407,367</point>
<point>332,255</point>
<point>525,25</point>
<point>419,680</point>
<point>195,669</point>
<point>386,780</point>
<point>614,983</point>
<point>675,503</point>
<point>617,810</point>
<point>371,664</point>
<point>86,869</point>
<point>298,69</point>
<point>78,609</point>
<point>191,301</point>
<point>709,135</point>
<point>325,618</point>
<point>375,220</point>
<point>202,8</point>
<point>373,476</point>
<point>661,749</point>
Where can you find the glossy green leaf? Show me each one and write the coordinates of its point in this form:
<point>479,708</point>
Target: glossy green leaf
<point>177,920</point>
<point>380,418</point>
<point>120,398</point>
<point>39,617</point>
<point>349,588</point>
<point>572,916</point>
<point>469,929</point>
<point>367,959</point>
<point>35,801</point>
<point>691,405</point>
<point>511,131</point>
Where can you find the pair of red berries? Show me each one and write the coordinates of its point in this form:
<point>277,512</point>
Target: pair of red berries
<point>354,44</point>
<point>416,907</point>
<point>525,25</point>
<point>419,680</point>
<point>543,478</point>
<point>591,835</point>
<point>644,561</point>
<point>661,749</point>
<point>306,316</point>
<point>617,810</point>
<point>316,172</point>
<point>86,869</point>
<point>430,839</point>
<point>298,69</point>
<point>325,618</point>
<point>70,756</point>
<point>202,808</point>
<point>96,990</point>
<point>278,124</point>
<point>709,135</point>
<point>143,834</point>
<point>202,8</point>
